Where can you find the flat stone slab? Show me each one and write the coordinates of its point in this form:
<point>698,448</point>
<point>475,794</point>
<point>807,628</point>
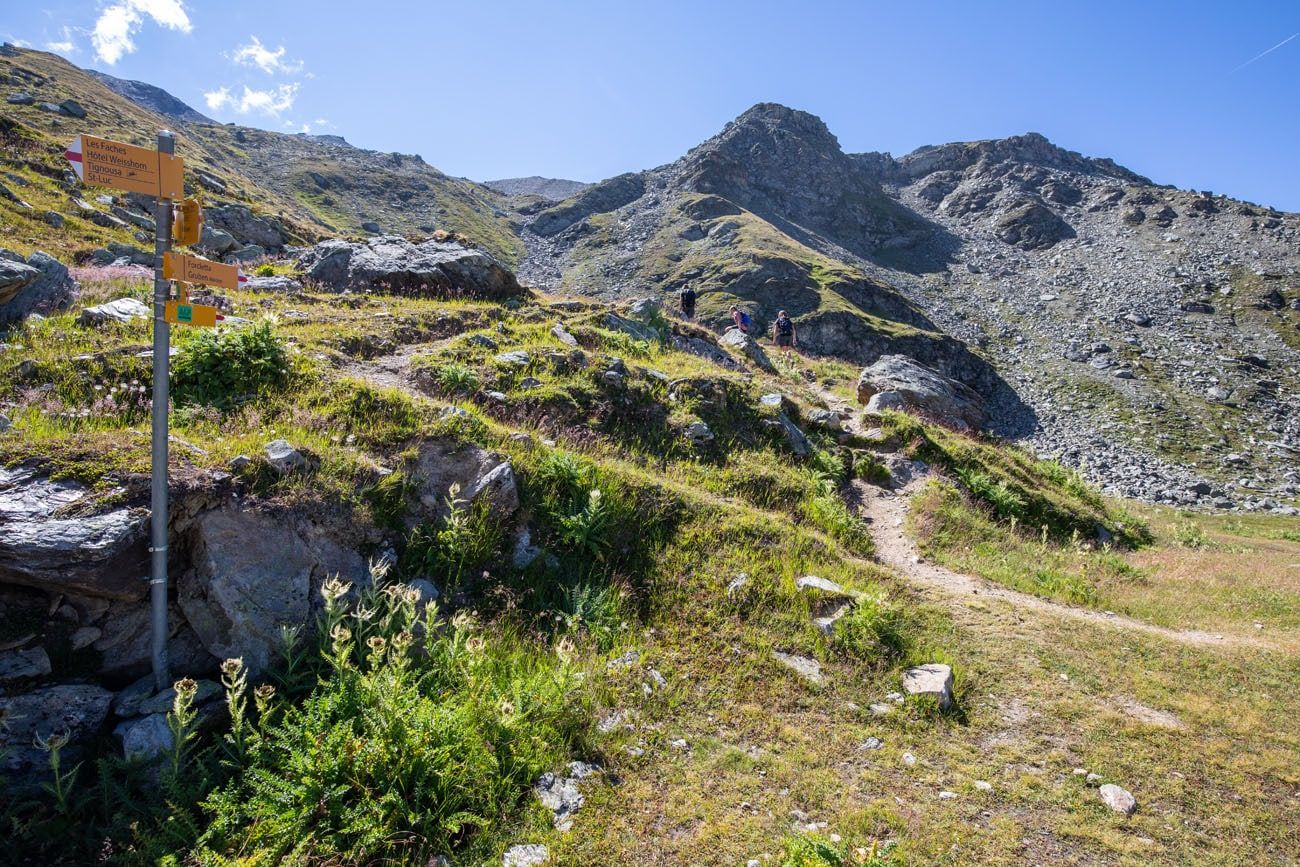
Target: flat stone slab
<point>809,669</point>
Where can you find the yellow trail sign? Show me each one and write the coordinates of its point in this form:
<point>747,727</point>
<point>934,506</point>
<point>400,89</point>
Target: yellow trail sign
<point>181,313</point>
<point>192,269</point>
<point>102,162</point>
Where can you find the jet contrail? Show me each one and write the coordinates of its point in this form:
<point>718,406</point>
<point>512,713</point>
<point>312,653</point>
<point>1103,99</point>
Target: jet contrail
<point>1264,53</point>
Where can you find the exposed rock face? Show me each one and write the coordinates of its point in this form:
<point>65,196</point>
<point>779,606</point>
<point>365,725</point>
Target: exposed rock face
<point>744,344</point>
<point>787,167</point>
<point>42,545</point>
<point>78,709</point>
<point>551,189</point>
<point>253,574</point>
<point>606,196</point>
<point>429,269</point>
<point>1032,226</point>
<point>49,289</point>
<point>246,227</point>
<point>923,390</point>
<point>479,474</point>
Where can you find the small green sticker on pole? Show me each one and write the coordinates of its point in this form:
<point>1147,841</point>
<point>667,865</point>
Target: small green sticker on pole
<point>184,313</point>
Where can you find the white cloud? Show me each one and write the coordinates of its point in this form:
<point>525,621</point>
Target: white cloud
<point>268,102</point>
<point>119,22</point>
<point>64,45</point>
<point>268,60</point>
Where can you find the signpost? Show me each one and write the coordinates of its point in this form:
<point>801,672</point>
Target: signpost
<point>160,174</point>
<point>101,162</point>
<point>192,269</point>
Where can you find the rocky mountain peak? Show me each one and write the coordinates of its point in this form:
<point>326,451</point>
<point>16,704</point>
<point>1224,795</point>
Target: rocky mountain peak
<point>786,166</point>
<point>1031,149</point>
<point>152,97</point>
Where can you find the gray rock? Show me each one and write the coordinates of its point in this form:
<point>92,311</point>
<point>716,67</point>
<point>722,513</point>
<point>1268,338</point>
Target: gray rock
<point>22,293</point>
<point>482,340</point>
<point>478,474</point>
<point>20,98</point>
<point>698,433</point>
<point>162,702</point>
<point>277,283</point>
<point>825,418</point>
<point>515,358</point>
<point>525,855</point>
<point>248,253</point>
<point>646,309</point>
<point>808,669</point>
<point>371,227</point>
<point>933,679</point>
<point>560,334</point>
<point>923,390</point>
<point>119,310</point>
<point>245,227</point>
<point>53,219</point>
<point>1118,799</point>
<point>397,266</point>
<point>216,242</point>
<point>98,555</point>
<point>77,709</point>
<point>72,108</point>
<point>24,664</point>
<point>1032,225</point>
<point>598,199</point>
<point>144,739</point>
<point>794,437</point>
<point>237,598</point>
<point>138,220</point>
<point>739,341</point>
<point>283,457</point>
<point>524,552</point>
<point>560,793</point>
<point>821,586</point>
<point>636,329</point>
<point>884,400</point>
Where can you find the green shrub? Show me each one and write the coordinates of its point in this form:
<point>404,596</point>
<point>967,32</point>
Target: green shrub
<point>223,367</point>
<point>419,734</point>
<point>874,630</point>
<point>266,269</point>
<point>456,379</point>
<point>869,468</point>
<point>998,495</point>
<point>814,850</point>
<point>457,546</point>
<point>1189,535</point>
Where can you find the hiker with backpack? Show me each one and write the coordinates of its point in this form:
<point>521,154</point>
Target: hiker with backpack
<point>783,333</point>
<point>740,319</point>
<point>687,300</point>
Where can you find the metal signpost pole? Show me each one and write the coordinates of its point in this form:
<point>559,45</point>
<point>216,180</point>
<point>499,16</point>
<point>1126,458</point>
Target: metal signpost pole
<point>161,372</point>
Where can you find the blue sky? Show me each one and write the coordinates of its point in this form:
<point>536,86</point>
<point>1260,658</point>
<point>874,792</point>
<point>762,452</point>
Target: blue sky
<point>585,90</point>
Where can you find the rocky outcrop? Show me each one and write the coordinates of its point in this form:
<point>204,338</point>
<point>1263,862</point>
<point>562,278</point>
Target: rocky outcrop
<point>477,474</point>
<point>922,390</point>
<point>738,341</point>
<point>245,227</point>
<point>599,199</point>
<point>37,284</point>
<point>75,710</point>
<point>431,269</point>
<point>1032,225</point>
<point>49,542</point>
<point>253,573</point>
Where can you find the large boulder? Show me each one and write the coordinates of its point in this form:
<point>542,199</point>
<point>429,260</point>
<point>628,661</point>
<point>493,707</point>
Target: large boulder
<point>49,289</point>
<point>1031,225</point>
<point>119,310</point>
<point>245,226</point>
<point>741,342</point>
<point>391,264</point>
<point>478,475</point>
<point>77,710</point>
<point>922,390</point>
<point>253,573</point>
<point>43,545</point>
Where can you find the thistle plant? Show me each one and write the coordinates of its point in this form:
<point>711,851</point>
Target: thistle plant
<point>234,678</point>
<point>181,723</point>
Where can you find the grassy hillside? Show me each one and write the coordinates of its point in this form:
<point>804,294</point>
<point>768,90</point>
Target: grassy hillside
<point>637,645</point>
<point>317,188</point>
